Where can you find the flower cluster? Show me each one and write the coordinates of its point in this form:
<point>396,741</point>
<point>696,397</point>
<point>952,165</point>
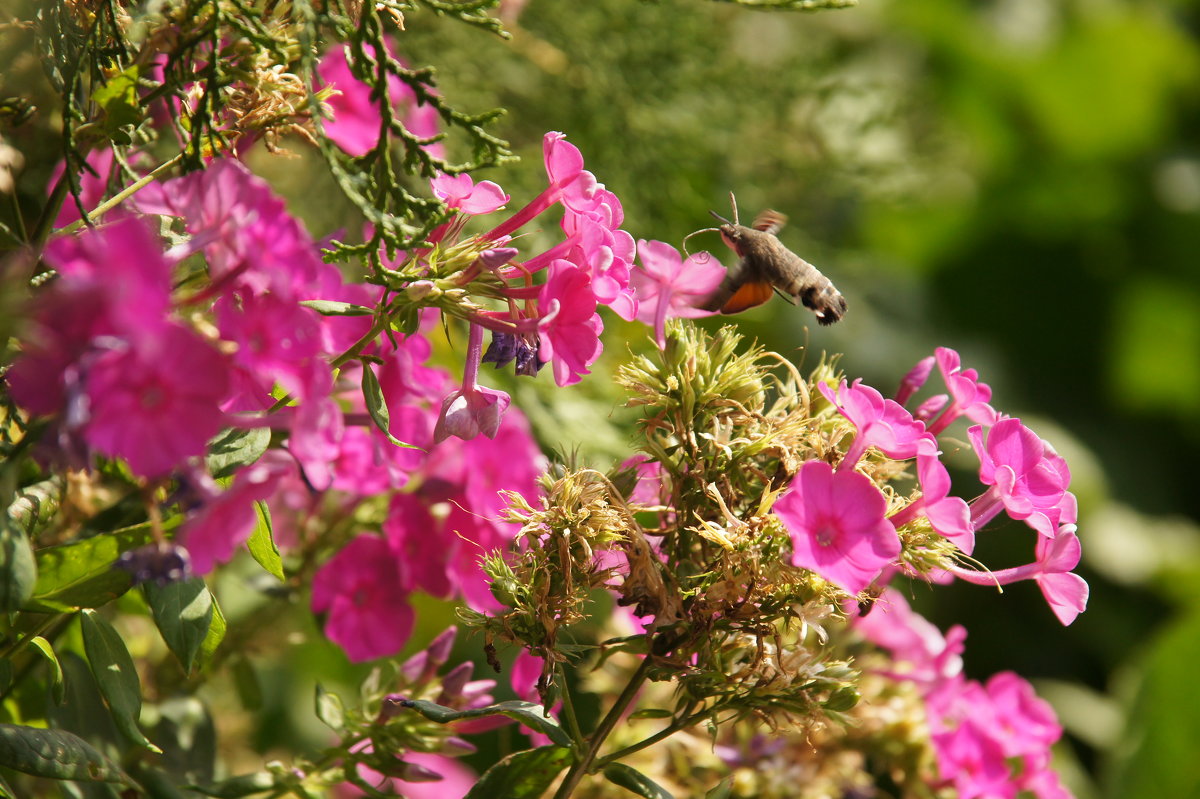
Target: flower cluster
<point>843,529</point>
<point>990,739</point>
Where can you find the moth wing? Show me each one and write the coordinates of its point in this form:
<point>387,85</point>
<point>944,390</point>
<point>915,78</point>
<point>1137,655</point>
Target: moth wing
<point>769,221</point>
<point>748,295</point>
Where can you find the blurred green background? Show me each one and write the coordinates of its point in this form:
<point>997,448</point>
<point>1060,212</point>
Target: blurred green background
<point>1015,179</point>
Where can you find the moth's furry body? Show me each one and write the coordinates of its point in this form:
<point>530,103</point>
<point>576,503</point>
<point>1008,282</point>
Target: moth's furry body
<point>765,265</point>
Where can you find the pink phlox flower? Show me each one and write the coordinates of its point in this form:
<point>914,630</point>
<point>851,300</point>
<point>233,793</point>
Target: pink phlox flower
<point>973,762</point>
<point>1065,591</point>
<point>949,516</point>
<point>596,250</point>
<point>413,775</point>
<point>930,408</point>
<point>882,423</point>
<point>278,341</point>
<point>363,589</point>
<point>837,525</point>
<point>93,184</point>
<point>1042,783</point>
<point>226,520</point>
<point>368,464</point>
<point>970,396</point>
<point>564,167</point>
<point>463,193</point>
<point>922,654</point>
<point>248,236</point>
<point>467,413</point>
<point>1025,724</point>
<point>524,675</point>
<point>569,326</point>
<point>667,285</point>
<point>912,382</point>
<point>171,384</point>
<point>355,126</point>
<point>317,427</point>
<point>123,267</point>
<point>1026,477</point>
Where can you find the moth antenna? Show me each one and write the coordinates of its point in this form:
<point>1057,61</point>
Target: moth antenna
<point>697,233</point>
<point>733,204</point>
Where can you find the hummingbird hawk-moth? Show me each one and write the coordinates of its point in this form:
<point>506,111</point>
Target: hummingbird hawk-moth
<point>765,265</point>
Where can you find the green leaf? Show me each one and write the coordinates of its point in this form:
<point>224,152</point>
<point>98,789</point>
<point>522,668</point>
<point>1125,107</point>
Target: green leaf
<point>1157,754</point>
<point>80,574</point>
<point>57,685</point>
<point>329,709</point>
<point>262,543</point>
<point>524,775</point>
<point>652,713</point>
<point>377,406</point>
<point>216,633</point>
<point>332,308</point>
<point>118,97</point>
<point>18,569</point>
<point>530,714</point>
<point>183,612</point>
<point>232,449</point>
<point>237,787</point>
<point>116,676</point>
<point>633,780</point>
<point>55,754</point>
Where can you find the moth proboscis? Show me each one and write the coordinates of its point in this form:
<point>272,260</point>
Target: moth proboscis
<point>765,266</point>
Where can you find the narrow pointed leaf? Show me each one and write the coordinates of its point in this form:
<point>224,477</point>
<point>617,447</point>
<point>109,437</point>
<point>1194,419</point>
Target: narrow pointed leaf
<point>18,569</point>
<point>262,543</point>
<point>183,612</point>
<point>377,406</point>
<point>530,714</point>
<point>633,780</point>
<point>334,308</point>
<point>116,676</point>
<point>55,754</point>
<point>524,775</point>
<point>215,635</point>
<point>56,670</point>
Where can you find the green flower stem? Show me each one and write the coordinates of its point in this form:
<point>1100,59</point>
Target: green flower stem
<point>123,195</point>
<point>584,765</point>
<point>569,708</point>
<point>666,732</point>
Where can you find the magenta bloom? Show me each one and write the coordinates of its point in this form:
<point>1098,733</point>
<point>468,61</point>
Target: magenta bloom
<point>1025,723</point>
<point>463,193</point>
<point>973,762</point>
<point>668,286</point>
<point>1028,479</point>
<point>355,126</point>
<point>921,652</point>
<point>837,525</point>
<point>912,382</point>
<point>881,423</point>
<point>467,413</point>
<point>364,591</point>
<point>949,516</point>
<point>569,326</point>
<point>156,402</point>
<point>970,396</point>
<point>1065,592</point>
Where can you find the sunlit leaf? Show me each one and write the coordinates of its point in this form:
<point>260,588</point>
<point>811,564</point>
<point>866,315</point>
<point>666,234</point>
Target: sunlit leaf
<point>116,676</point>
<point>524,775</point>
<point>183,612</point>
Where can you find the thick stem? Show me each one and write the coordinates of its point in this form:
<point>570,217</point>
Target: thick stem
<point>584,764</point>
